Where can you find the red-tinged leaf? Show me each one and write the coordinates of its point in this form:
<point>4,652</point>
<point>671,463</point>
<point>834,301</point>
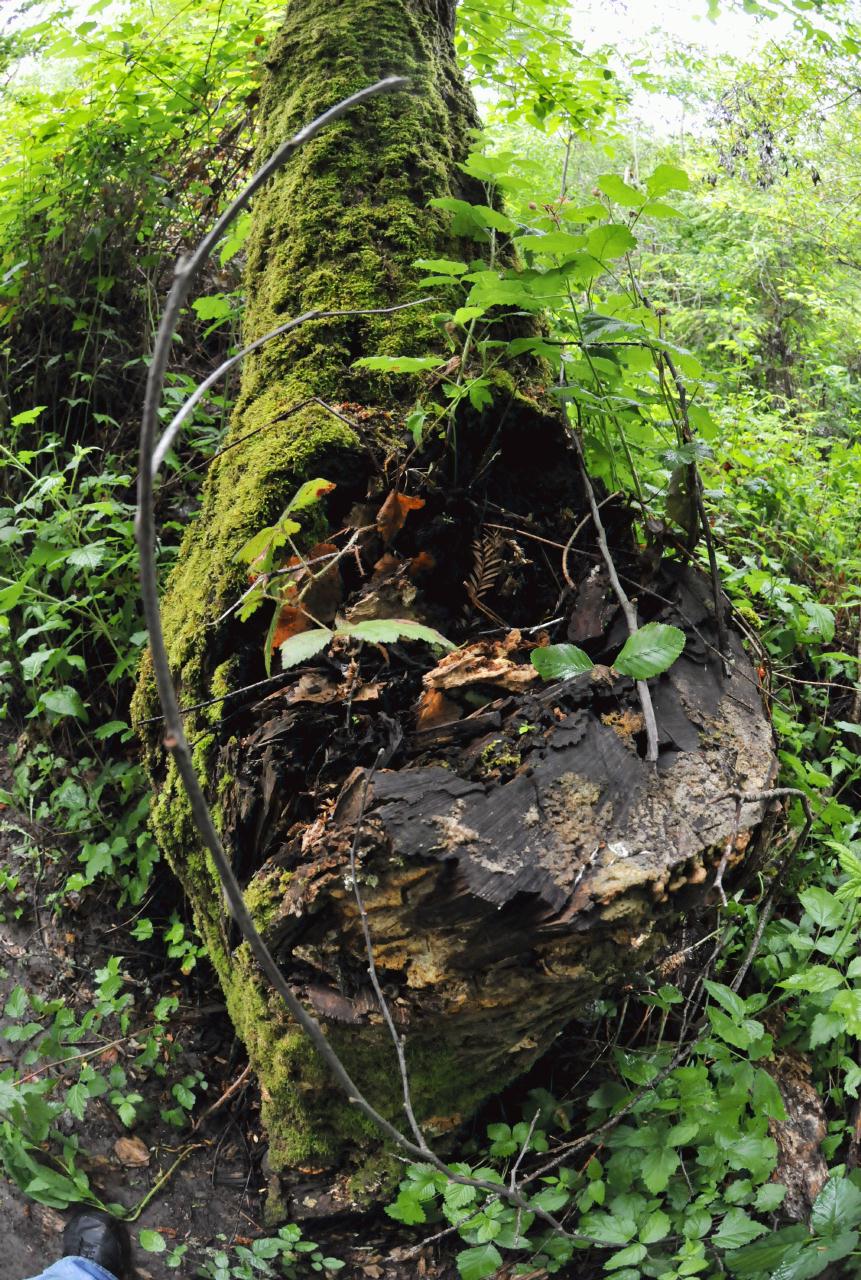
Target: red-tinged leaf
<point>393,513</point>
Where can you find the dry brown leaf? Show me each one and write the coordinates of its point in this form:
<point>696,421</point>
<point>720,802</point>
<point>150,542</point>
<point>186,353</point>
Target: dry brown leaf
<point>393,513</point>
<point>131,1152</point>
<point>436,709</point>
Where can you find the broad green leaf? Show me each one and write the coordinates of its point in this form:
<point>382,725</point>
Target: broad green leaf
<point>766,1255</point>
<point>479,215</point>
<point>607,1227</point>
<point>769,1197</point>
<point>736,1230</point>
<point>407,1209</point>
<point>848,1005</point>
<point>741,1034</point>
<point>554,242</point>
<point>610,241</point>
<point>821,624</point>
<point>442,266</point>
<point>837,1207</point>
<point>389,630</point>
<point>825,1027</point>
<point>89,557</point>
<point>478,1263</point>
<point>657,209</point>
<point>666,177</point>
<point>824,908</point>
<point>650,650</point>
<point>28,415</point>
<point>305,645</point>
<point>152,1241</point>
<point>725,996</point>
<point>64,702</point>
<point>813,978</point>
<point>306,496</point>
<point>767,1098</point>
<point>658,1167</point>
<point>634,1254</point>
<point>655,1228</point>
<point>560,661</point>
<point>620,192</point>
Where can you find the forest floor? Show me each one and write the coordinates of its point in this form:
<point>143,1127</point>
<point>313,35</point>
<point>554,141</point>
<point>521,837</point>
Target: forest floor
<point>215,1197</point>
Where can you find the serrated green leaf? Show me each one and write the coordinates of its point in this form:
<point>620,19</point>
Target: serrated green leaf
<point>442,266</point>
<point>813,978</point>
<point>837,1207</point>
<point>306,496</point>
<point>658,1167</point>
<point>152,1241</point>
<point>300,647</point>
<point>407,1209</point>
<point>478,1263</point>
<point>615,189</point>
<point>737,1229</point>
<point>390,630</point>
<point>650,650</point>
<point>610,241</point>
<point>399,364</point>
<point>824,908</point>
<point>560,661</point>
<point>666,177</point>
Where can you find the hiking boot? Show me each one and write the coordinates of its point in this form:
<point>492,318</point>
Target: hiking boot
<point>99,1238</point>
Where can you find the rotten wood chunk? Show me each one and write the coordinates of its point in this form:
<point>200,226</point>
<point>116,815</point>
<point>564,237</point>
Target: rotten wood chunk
<point>515,863</point>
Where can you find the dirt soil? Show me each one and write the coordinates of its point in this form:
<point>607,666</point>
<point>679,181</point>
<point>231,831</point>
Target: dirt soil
<point>216,1194</point>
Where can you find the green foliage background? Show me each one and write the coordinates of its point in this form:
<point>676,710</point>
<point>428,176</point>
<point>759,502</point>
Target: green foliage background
<point>734,247</point>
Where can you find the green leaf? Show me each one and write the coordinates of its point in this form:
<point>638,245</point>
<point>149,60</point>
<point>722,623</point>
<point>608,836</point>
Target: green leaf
<point>667,178</point>
<point>399,364</point>
<point>650,650</point>
<point>388,630</point>
<point>658,1167</point>
<point>475,1264</point>
<point>725,996</point>
<point>634,1254</point>
<point>553,242</point>
<point>608,1228</point>
<point>767,1098</point>
<point>441,266</point>
<point>825,1027</point>
<point>848,1005</point>
<point>306,496</point>
<point>28,415</point>
<point>87,557</point>
<point>836,1208</point>
<point>766,1255</point>
<point>617,190</point>
<point>824,908</point>
<point>560,661</point>
<point>610,241</point>
<point>655,1228</point>
<point>301,647</point>
<point>407,1209</point>
<point>736,1230</point>
<point>64,702</point>
<point>769,1197</point>
<point>152,1241</point>
<point>820,624</point>
<point>814,978</point>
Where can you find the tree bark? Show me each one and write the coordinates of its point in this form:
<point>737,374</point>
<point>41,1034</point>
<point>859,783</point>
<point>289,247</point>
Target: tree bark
<point>518,856</point>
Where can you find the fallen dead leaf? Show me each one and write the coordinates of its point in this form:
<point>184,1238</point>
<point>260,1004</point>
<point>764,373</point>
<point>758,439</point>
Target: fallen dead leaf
<point>393,513</point>
<point>131,1152</point>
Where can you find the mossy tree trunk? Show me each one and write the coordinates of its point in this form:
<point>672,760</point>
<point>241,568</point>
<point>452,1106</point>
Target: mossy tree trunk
<point>507,886</point>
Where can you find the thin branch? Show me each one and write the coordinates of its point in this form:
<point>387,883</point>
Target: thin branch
<point>184,412</point>
<point>627,608</point>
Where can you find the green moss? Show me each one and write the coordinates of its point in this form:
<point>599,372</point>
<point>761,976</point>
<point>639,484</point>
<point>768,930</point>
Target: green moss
<point>338,229</point>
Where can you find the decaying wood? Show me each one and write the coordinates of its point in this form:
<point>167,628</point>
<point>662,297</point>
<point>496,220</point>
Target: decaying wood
<point>516,862</point>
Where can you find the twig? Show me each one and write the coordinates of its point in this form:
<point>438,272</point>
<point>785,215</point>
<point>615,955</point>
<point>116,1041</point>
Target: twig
<point>200,391</point>
<point>225,1097</point>
<point>627,608</point>
<point>397,1040</point>
<point>730,844</point>
<point>577,528</point>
